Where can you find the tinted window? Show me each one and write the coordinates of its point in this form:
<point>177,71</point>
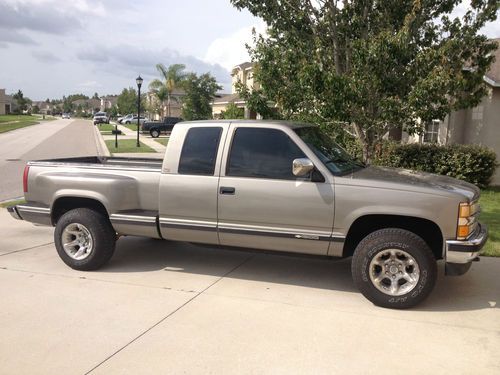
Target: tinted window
<point>200,151</point>
<point>265,153</point>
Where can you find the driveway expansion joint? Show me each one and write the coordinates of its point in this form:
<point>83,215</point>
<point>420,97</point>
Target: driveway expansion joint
<point>171,313</point>
<point>28,248</point>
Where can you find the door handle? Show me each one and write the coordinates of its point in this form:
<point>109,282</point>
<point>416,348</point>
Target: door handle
<point>227,190</point>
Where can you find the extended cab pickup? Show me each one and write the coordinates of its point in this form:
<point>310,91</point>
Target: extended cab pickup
<point>264,185</point>
<point>155,128</point>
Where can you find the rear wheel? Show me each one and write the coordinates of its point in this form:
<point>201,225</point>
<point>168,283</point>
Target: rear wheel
<point>394,268</point>
<point>155,133</point>
<point>84,239</point>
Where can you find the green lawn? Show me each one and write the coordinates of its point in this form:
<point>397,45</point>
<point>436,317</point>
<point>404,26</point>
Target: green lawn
<point>127,145</point>
<point>105,127</point>
<point>131,126</point>
<point>11,122</point>
<point>490,215</point>
<point>163,141</point>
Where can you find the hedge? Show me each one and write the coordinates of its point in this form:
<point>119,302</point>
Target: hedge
<point>471,163</point>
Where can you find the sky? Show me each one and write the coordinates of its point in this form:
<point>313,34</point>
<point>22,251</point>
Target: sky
<point>51,48</point>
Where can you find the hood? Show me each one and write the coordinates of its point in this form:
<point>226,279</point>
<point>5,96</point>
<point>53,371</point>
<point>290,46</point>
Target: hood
<point>405,179</point>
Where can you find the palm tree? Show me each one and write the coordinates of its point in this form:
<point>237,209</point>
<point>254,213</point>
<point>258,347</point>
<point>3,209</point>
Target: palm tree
<point>172,76</point>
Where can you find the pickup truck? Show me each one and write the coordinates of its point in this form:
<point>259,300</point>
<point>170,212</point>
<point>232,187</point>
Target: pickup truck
<point>278,186</point>
<point>101,118</point>
<point>155,128</point>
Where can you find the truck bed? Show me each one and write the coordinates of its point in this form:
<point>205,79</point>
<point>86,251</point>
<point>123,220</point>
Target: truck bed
<point>153,164</point>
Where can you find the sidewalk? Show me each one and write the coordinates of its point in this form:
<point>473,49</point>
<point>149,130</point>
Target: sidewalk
<point>130,134</point>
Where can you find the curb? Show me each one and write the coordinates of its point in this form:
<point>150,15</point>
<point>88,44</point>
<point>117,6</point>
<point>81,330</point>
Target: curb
<point>102,150</point>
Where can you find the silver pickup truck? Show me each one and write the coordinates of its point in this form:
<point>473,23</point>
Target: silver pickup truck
<point>277,186</point>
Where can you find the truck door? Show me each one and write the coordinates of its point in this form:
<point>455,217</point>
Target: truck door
<point>262,204</point>
<point>189,182</point>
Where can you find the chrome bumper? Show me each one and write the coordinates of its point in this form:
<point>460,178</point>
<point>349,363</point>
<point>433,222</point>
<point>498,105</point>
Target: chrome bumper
<point>460,254</point>
<point>34,214</point>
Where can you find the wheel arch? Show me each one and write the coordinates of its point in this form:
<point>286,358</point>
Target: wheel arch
<point>66,203</point>
<point>428,230</point>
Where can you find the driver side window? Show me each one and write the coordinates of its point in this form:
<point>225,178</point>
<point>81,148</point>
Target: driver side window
<point>262,153</point>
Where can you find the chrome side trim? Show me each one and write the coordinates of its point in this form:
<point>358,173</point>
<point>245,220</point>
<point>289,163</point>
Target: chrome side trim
<point>249,230</point>
<point>280,232</point>
<point>133,219</point>
<point>209,226</point>
<point>149,221</point>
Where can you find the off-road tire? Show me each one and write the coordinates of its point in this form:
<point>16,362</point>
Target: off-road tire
<point>102,233</point>
<point>155,133</point>
<point>399,239</point>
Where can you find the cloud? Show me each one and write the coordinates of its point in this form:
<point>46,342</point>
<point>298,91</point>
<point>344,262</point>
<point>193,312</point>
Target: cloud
<point>12,36</point>
<point>48,16</point>
<point>131,60</point>
<point>45,56</point>
<point>231,50</point>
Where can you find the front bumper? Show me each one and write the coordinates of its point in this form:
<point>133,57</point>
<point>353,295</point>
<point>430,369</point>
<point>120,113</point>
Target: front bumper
<point>461,254</point>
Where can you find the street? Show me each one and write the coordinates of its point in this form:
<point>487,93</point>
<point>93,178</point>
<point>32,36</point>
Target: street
<point>165,307</point>
<point>51,139</point>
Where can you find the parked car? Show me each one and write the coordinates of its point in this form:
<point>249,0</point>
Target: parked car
<point>66,116</point>
<point>124,118</point>
<point>133,120</point>
<point>101,118</point>
<point>274,186</point>
<point>155,128</point>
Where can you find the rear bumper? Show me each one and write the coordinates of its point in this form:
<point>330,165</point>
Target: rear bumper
<point>34,214</point>
<point>14,213</point>
<point>460,254</point>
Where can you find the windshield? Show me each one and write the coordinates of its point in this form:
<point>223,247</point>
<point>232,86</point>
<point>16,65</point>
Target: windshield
<point>334,157</point>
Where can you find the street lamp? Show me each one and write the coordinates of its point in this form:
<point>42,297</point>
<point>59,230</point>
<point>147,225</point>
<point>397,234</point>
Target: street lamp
<point>138,80</point>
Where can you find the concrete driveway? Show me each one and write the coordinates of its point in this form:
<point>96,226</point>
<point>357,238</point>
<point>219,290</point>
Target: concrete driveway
<point>166,307</point>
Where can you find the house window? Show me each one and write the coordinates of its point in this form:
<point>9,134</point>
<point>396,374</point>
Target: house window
<point>431,131</point>
<point>477,113</point>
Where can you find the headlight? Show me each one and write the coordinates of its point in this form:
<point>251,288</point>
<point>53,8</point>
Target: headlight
<point>467,219</point>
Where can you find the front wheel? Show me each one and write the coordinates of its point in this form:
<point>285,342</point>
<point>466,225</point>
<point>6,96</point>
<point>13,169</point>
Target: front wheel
<point>84,239</point>
<point>155,133</point>
<point>394,268</point>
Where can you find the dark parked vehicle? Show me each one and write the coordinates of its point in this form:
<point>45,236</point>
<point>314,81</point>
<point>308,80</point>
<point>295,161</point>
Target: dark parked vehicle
<point>155,128</point>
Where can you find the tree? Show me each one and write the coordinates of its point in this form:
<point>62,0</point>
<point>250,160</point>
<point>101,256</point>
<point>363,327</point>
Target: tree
<point>96,96</point>
<point>173,77</point>
<point>21,100</point>
<point>127,101</point>
<point>233,112</point>
<point>368,66</point>
<point>200,92</point>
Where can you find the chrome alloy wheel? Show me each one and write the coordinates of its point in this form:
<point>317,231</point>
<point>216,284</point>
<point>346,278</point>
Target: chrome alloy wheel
<point>77,241</point>
<point>394,272</point>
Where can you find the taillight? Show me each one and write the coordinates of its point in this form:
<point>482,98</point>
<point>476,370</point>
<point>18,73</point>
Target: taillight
<point>25,178</point>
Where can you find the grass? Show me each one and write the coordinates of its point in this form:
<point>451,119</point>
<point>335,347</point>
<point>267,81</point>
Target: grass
<point>490,215</point>
<point>163,141</point>
<point>131,126</point>
<point>12,122</point>
<point>127,145</point>
<point>105,127</point>
<point>12,203</point>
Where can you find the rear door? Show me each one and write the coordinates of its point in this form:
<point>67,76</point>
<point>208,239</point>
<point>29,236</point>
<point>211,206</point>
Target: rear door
<point>188,185</point>
<point>262,204</point>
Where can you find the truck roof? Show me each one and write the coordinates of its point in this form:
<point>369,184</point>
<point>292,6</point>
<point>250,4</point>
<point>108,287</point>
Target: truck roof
<point>290,124</point>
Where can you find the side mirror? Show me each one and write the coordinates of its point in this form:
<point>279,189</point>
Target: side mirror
<point>302,166</point>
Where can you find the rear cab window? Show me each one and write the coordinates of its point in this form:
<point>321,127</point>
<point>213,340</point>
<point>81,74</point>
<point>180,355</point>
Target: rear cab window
<point>199,151</point>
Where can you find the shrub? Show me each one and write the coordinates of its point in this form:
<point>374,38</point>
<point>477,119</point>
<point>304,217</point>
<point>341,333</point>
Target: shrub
<point>471,163</point>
